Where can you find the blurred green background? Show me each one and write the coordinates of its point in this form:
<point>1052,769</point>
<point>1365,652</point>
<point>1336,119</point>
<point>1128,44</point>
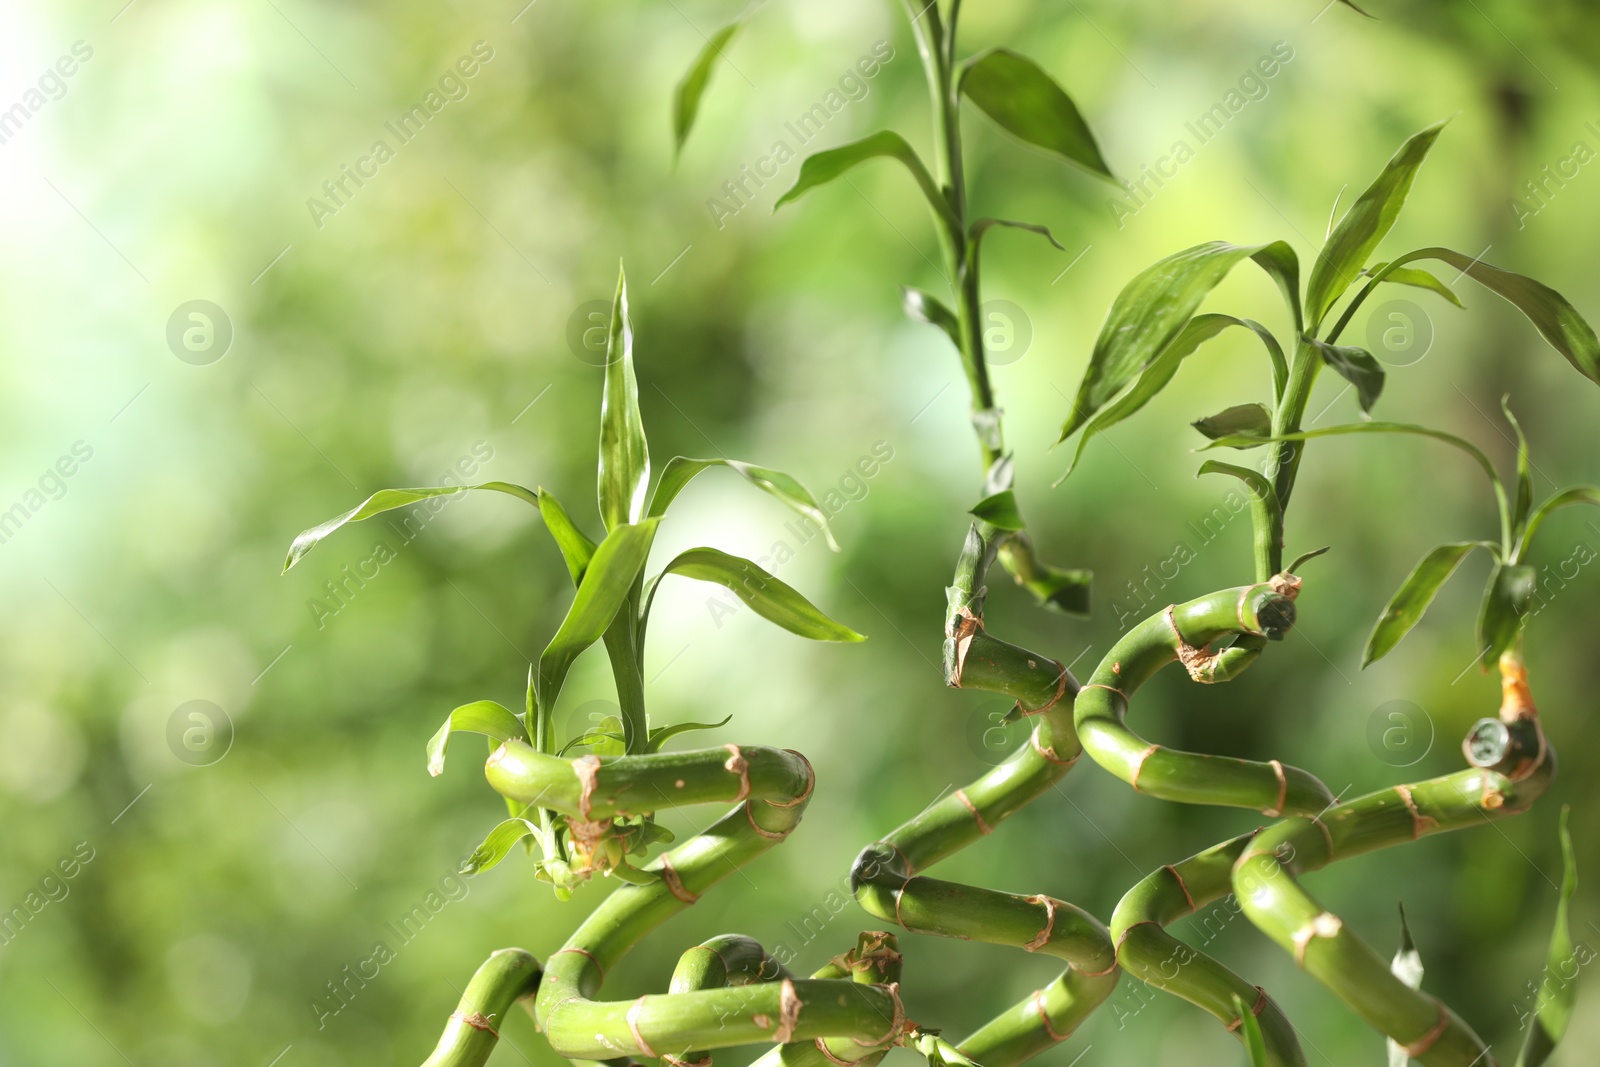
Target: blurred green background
<point>426,321</point>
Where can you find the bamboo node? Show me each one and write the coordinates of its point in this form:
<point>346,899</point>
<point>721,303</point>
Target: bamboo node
<point>1423,1044</point>
<point>961,629</point>
<point>633,1028</point>
<point>977,816</point>
<point>587,768</point>
<point>1201,663</point>
<point>737,764</point>
<point>1042,938</point>
<point>789,1006</point>
<point>477,1020</point>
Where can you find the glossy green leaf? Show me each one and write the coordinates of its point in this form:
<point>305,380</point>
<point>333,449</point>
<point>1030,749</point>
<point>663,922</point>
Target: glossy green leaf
<point>1363,226</point>
<point>976,231</point>
<point>662,734</point>
<point>1411,600</point>
<point>1282,265</point>
<point>1558,988</point>
<point>1150,313</point>
<point>605,738</point>
<point>605,586</point>
<point>1250,1033</point>
<point>1400,428</point>
<point>686,97</point>
<point>1155,377</point>
<point>925,307</point>
<point>1406,966</point>
<point>624,455</point>
<point>681,470</point>
<point>1000,510</point>
<point>497,846</point>
<point>824,167</point>
<point>576,549</point>
<point>1027,103</point>
<point>1580,494</point>
<point>480,717</point>
<point>1524,494</point>
<point>1356,366</point>
<point>1243,420</point>
<point>1415,277</point>
<point>1505,608</point>
<point>765,595</point>
<point>389,499</point>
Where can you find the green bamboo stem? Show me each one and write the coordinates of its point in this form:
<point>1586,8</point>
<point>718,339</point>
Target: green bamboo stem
<point>1149,953</point>
<point>1513,764</point>
<point>724,960</point>
<point>474,1027</point>
<point>1184,632</point>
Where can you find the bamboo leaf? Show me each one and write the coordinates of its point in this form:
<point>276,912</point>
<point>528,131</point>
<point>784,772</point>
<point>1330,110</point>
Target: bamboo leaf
<point>1027,103</point>
<point>1524,496</point>
<point>498,845</point>
<point>387,500</point>
<point>686,97</point>
<point>1243,420</point>
<point>976,231</point>
<point>681,470</point>
<point>479,717</point>
<point>1580,494</point>
<point>1155,377</point>
<point>1150,313</point>
<point>1000,510</point>
<point>1415,277</point>
<point>661,735</point>
<point>1553,1011</point>
<point>1278,259</point>
<point>1356,366</point>
<point>1052,587</point>
<point>1364,225</point>
<point>1406,966</point>
<point>624,455</point>
<point>576,549</point>
<point>1250,1034</point>
<point>824,167</point>
<point>925,307</point>
<point>1557,321</point>
<point>605,586</point>
<point>1505,608</point>
<point>765,595</point>
<point>1411,600</point>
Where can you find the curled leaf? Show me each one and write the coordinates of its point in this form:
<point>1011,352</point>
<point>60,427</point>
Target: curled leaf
<point>1000,510</point>
<point>480,717</point>
<point>389,499</point>
<point>1505,608</point>
<point>624,472</point>
<point>1244,420</point>
<point>824,167</point>
<point>925,307</point>
<point>764,594</point>
<point>681,470</point>
<point>1356,366</point>
<point>498,845</point>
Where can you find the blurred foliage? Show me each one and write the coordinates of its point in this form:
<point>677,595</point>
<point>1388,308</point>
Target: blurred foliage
<point>426,322</point>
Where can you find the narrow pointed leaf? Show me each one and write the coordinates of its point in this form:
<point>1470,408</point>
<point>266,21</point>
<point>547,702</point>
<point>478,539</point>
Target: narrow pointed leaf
<point>1250,1033</point>
<point>1558,994</point>
<point>1366,224</point>
<point>1406,966</point>
<point>1580,494</point>
<point>498,845</point>
<point>624,456</point>
<point>1356,366</point>
<point>1557,321</point>
<point>824,167</point>
<point>1411,600</point>
<point>1415,277</point>
<point>681,470</point>
<point>1027,103</point>
<point>1146,317</point>
<point>765,595</point>
<point>576,549</point>
<point>976,231</point>
<point>1155,377</point>
<point>1524,496</point>
<point>925,307</point>
<point>1278,259</point>
<point>1000,510</point>
<point>480,717</point>
<point>1505,608</point>
<point>605,586</point>
<point>660,736</point>
<point>1244,420</point>
<point>389,499</point>
<point>686,98</point>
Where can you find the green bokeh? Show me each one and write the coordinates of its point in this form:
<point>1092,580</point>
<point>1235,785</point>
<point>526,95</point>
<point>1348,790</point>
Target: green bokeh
<point>425,322</point>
